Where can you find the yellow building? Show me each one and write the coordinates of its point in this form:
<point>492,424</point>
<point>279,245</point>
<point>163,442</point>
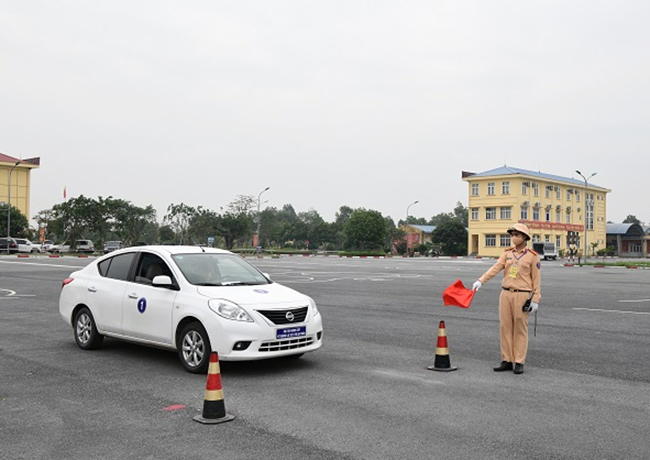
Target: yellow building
<point>553,207</point>
<point>15,174</point>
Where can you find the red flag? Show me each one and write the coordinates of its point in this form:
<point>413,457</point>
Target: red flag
<point>458,295</point>
<point>64,193</point>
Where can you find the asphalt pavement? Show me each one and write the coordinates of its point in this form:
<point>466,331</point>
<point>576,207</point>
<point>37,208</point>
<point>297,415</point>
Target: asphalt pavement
<point>366,394</point>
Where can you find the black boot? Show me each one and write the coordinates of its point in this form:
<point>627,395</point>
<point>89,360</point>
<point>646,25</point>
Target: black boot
<point>504,366</point>
<point>519,368</point>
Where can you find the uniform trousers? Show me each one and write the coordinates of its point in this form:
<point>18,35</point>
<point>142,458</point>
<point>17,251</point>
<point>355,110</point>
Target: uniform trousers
<point>513,326</point>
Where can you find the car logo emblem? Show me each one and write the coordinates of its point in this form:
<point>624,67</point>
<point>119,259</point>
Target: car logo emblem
<point>289,316</point>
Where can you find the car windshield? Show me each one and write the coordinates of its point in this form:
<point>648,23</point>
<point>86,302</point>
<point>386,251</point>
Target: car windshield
<point>210,269</point>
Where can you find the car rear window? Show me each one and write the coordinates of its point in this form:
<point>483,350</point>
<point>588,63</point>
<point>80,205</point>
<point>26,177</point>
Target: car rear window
<point>116,267</point>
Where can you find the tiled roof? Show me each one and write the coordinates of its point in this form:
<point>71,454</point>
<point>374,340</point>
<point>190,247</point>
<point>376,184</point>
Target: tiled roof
<point>623,229</point>
<point>509,170</point>
<point>7,159</point>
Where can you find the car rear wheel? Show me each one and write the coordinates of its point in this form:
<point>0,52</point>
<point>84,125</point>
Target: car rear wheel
<point>85,330</point>
<point>194,348</point>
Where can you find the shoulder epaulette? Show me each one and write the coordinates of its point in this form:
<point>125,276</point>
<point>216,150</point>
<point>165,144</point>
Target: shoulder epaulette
<point>531,250</point>
<point>511,248</point>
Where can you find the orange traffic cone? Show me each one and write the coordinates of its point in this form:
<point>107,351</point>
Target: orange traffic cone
<point>214,408</point>
<point>441,362</point>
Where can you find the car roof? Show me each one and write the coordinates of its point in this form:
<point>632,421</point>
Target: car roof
<point>171,250</point>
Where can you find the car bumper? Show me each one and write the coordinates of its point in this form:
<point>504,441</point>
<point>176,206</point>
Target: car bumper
<point>263,341</point>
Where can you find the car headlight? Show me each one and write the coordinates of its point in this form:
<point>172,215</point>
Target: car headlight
<point>229,310</point>
<point>313,306</point>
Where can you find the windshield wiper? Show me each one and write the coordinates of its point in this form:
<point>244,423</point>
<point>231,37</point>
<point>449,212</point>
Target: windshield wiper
<point>209,284</point>
<point>239,283</point>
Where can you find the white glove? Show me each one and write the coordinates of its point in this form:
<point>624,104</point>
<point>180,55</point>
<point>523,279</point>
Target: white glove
<point>477,285</point>
<point>533,307</point>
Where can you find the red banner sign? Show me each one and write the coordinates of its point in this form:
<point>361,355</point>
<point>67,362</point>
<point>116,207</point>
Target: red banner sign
<point>535,224</point>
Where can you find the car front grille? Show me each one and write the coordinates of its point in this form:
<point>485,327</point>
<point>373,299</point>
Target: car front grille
<point>288,344</point>
<point>280,316</point>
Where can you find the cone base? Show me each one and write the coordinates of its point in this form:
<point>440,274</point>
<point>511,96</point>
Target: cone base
<point>213,421</point>
<point>442,369</point>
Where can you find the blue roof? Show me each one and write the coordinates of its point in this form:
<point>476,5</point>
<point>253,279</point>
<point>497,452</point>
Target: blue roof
<point>509,170</point>
<point>425,228</point>
<point>624,229</point>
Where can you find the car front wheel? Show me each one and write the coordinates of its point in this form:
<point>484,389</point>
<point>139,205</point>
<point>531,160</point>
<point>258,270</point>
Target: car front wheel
<point>85,330</point>
<point>194,348</point>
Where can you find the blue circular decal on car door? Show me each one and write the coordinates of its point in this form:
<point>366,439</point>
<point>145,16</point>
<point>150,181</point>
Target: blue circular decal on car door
<point>142,305</point>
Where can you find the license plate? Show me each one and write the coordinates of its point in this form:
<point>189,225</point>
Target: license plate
<point>289,332</point>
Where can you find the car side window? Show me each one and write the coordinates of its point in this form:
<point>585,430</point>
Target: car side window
<point>149,267</point>
<point>117,267</point>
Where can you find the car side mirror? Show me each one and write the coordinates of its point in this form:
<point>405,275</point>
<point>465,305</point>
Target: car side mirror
<point>162,281</point>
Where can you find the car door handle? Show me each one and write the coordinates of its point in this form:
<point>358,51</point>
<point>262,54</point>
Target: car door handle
<point>92,289</point>
<point>133,296</point>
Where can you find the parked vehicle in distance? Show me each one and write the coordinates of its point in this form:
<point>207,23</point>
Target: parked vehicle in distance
<point>83,246</point>
<point>26,246</point>
<point>46,245</point>
<point>112,246</point>
<point>545,250</point>
<point>10,244</point>
<point>192,300</point>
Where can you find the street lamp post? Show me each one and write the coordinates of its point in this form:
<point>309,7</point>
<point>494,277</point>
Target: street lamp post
<point>259,220</point>
<point>9,203</point>
<point>586,179</point>
<point>406,223</point>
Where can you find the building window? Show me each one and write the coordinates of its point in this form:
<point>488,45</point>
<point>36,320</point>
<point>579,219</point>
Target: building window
<point>558,193</point>
<point>490,188</point>
<point>524,188</point>
<point>577,196</point>
<point>524,213</point>
<point>558,242</point>
<point>490,213</point>
<point>490,241</point>
<point>474,213</point>
<point>547,238</point>
<point>635,247</point>
<point>568,194</point>
<point>548,215</point>
<point>535,213</point>
<point>547,191</point>
<point>568,217</point>
<point>474,189</point>
<point>558,216</point>
<point>506,213</point>
<point>504,240</point>
<point>535,189</point>
<point>535,238</point>
<point>505,188</point>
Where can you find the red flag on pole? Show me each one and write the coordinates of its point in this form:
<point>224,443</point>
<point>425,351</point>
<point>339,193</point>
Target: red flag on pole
<point>458,295</point>
<point>64,193</point>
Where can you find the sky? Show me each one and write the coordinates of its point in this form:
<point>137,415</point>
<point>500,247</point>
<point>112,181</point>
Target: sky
<point>367,104</point>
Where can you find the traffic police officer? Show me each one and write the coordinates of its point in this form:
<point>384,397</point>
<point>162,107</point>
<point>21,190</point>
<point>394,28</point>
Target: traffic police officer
<point>521,282</point>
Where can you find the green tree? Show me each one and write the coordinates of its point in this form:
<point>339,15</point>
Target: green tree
<point>178,218</point>
<point>203,224</point>
<point>366,229</point>
<point>131,223</point>
<point>462,213</point>
<point>233,227</point>
<point>74,218</point>
<point>631,219</point>
<point>18,223</point>
<point>451,236</point>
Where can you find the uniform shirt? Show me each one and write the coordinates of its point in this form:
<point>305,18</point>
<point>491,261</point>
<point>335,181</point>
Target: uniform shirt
<point>521,271</point>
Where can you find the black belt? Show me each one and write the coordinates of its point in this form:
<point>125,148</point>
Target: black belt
<point>513,290</point>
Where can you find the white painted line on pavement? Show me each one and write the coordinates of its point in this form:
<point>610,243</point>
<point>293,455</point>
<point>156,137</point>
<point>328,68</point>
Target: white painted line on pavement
<point>615,311</point>
<point>634,301</point>
<point>42,265</point>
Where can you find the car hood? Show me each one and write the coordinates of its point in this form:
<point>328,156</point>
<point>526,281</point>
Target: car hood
<point>265,295</point>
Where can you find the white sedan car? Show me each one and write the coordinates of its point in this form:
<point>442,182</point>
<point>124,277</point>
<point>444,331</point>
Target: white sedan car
<point>190,299</point>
